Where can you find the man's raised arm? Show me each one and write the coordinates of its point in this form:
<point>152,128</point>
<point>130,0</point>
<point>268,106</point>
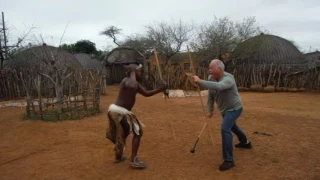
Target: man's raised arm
<point>146,93</point>
<point>225,83</point>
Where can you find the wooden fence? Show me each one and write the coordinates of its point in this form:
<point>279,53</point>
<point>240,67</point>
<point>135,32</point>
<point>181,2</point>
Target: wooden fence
<point>309,79</point>
<point>177,77</point>
<point>11,83</point>
<point>80,93</point>
<point>275,78</point>
<point>10,86</point>
<point>248,77</point>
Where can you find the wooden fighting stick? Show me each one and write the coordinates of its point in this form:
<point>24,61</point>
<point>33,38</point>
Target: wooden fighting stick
<point>204,111</point>
<point>165,97</point>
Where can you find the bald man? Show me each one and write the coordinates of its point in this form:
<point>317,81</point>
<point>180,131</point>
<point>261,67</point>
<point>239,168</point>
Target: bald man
<point>223,90</point>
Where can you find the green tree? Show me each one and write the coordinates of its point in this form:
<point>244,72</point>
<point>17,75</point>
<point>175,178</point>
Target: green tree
<point>68,47</point>
<point>85,46</point>
<point>82,46</point>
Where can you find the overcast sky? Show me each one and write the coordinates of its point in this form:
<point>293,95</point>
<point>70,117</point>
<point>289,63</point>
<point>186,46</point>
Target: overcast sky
<point>295,20</point>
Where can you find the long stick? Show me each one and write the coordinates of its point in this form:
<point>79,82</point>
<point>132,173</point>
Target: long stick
<point>204,111</point>
<point>165,97</point>
<point>158,65</point>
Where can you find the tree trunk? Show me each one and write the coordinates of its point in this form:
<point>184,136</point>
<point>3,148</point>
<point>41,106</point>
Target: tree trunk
<point>59,96</point>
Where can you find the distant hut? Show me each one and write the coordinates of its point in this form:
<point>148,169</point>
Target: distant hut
<point>115,59</point>
<point>308,78</point>
<point>313,59</point>
<point>88,62</point>
<point>265,60</point>
<point>41,57</point>
<point>52,81</point>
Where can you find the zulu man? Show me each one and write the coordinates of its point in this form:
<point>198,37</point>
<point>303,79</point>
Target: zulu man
<point>122,121</point>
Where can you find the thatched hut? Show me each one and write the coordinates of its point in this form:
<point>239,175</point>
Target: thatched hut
<point>264,61</point>
<point>23,70</point>
<point>88,62</point>
<point>54,83</point>
<point>313,58</point>
<point>114,60</point>
<point>43,57</point>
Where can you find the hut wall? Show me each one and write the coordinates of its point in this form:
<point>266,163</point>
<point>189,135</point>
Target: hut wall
<point>115,73</point>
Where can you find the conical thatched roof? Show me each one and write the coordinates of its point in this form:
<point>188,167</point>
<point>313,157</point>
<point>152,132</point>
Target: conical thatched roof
<point>268,49</point>
<point>42,57</point>
<point>88,62</point>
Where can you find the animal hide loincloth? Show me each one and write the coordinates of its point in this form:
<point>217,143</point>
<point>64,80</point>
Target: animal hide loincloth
<point>117,113</point>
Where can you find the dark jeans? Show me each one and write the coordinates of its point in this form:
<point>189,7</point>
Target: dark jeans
<point>227,127</point>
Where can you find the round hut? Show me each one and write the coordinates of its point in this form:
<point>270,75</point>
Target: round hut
<point>46,60</point>
<point>114,60</point>
<point>43,57</point>
<point>52,80</point>
<point>88,62</point>
<point>265,60</point>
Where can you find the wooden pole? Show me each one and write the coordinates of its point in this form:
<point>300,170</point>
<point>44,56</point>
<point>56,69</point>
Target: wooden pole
<point>204,111</point>
<point>165,98</point>
<point>158,65</point>
<point>39,96</point>
<point>5,37</point>
<point>84,95</point>
<point>1,55</point>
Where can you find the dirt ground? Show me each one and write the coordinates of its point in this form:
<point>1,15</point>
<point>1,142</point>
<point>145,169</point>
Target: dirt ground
<point>78,149</point>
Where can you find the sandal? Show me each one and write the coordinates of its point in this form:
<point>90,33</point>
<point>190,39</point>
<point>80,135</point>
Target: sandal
<point>137,164</point>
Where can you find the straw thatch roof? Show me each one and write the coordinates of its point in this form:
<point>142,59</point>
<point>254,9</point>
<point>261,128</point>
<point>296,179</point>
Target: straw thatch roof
<point>88,62</point>
<point>268,49</point>
<point>122,55</point>
<point>180,56</point>
<point>42,57</point>
<point>313,58</point>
